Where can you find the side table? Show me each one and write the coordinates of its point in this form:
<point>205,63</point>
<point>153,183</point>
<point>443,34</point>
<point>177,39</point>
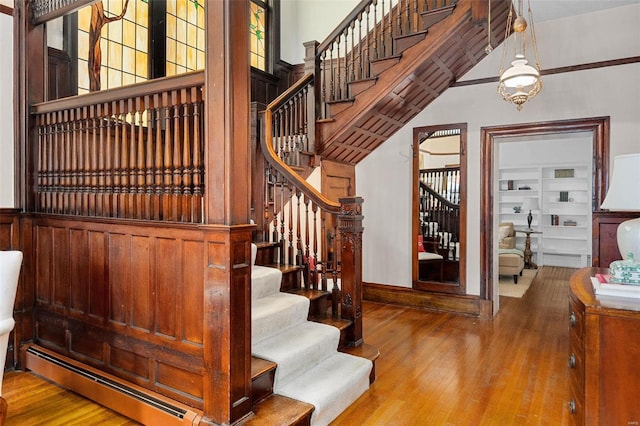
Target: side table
<point>528,254</point>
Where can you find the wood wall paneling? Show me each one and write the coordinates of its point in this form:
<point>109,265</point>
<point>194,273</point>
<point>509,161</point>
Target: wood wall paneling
<point>128,299</point>
<point>605,239</point>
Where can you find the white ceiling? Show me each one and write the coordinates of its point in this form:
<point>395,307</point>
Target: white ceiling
<point>546,10</point>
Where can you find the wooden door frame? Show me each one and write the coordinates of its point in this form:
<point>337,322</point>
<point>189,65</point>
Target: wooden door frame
<point>599,128</point>
<point>461,287</point>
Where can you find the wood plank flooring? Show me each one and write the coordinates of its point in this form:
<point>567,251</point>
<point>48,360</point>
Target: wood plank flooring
<point>445,369</point>
<point>434,368</point>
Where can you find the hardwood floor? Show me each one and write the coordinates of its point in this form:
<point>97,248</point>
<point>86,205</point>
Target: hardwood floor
<point>445,369</point>
<point>434,368</point>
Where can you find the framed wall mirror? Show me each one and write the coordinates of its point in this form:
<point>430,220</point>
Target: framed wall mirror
<point>439,208</point>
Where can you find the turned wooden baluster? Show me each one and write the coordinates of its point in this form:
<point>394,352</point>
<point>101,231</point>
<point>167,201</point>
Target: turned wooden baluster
<point>283,260</point>
<point>176,164</point>
<point>187,196</point>
<point>158,169</point>
<point>198,190</point>
<point>307,275</point>
<point>166,167</point>
<point>66,169</point>
<point>299,252</point>
<point>40,179</point>
<point>100,164</point>
<point>147,160</point>
<point>314,209</point>
<point>118,147</point>
<point>85,162</point>
<point>290,255</point>
<point>131,167</point>
<point>55,169</point>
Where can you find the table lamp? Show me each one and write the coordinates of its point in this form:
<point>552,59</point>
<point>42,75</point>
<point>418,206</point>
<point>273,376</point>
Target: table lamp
<point>624,195</point>
<point>530,204</point>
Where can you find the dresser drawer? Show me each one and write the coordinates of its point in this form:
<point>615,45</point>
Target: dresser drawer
<point>576,321</point>
<point>575,365</point>
<point>575,407</point>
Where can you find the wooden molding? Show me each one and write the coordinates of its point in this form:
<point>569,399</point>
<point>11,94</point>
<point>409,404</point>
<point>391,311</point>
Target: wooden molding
<point>458,304</point>
<point>558,70</point>
<point>598,126</point>
<point>6,10</point>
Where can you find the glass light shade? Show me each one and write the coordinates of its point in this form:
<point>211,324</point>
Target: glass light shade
<point>520,82</point>
<point>624,195</point>
<point>520,74</point>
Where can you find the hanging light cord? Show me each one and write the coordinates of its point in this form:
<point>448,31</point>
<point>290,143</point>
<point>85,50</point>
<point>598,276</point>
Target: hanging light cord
<point>489,47</point>
<point>507,31</point>
<point>534,42</point>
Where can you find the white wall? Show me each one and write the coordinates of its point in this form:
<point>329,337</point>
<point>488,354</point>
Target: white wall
<point>384,177</point>
<point>6,109</point>
<point>307,20</point>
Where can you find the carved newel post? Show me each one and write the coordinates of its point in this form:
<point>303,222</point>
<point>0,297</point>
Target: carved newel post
<point>350,229</point>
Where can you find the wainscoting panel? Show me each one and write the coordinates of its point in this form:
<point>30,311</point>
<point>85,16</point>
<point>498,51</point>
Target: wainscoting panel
<point>124,298</point>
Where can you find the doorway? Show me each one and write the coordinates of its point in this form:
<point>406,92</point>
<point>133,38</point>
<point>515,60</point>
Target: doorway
<point>490,136</point>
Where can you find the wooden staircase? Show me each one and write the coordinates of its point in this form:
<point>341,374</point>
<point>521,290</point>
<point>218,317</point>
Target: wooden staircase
<point>273,409</point>
<point>446,42</point>
<point>356,93</point>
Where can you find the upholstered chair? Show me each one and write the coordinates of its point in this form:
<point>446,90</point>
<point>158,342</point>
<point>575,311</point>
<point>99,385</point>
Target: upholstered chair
<point>510,259</point>
<point>10,264</point>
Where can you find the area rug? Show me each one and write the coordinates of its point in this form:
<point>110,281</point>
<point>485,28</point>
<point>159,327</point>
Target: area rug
<point>509,289</point>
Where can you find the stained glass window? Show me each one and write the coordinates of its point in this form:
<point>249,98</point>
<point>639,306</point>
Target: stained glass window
<point>185,49</point>
<point>257,36</point>
<point>124,50</point>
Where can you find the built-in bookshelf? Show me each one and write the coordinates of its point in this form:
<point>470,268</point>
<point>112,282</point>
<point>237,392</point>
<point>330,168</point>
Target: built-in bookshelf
<point>564,195</point>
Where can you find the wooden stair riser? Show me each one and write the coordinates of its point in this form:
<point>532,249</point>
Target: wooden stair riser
<point>432,17</point>
<point>406,41</point>
<point>262,377</point>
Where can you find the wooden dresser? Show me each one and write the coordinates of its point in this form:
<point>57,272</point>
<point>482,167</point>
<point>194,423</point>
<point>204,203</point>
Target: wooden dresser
<point>604,355</point>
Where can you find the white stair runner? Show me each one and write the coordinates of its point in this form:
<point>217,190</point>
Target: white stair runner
<point>309,367</point>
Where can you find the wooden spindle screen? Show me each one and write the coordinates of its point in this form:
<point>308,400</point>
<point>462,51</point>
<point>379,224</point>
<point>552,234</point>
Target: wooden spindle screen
<point>291,125</point>
<point>366,35</point>
<point>138,156</point>
<point>297,224</point>
<point>444,181</point>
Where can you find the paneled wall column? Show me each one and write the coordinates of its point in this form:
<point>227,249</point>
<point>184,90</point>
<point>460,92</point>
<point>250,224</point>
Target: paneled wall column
<point>227,298</point>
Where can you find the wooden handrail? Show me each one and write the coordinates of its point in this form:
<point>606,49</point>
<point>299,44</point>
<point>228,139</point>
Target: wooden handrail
<point>285,96</point>
<point>439,197</point>
<point>344,24</point>
<point>137,90</point>
<point>275,161</point>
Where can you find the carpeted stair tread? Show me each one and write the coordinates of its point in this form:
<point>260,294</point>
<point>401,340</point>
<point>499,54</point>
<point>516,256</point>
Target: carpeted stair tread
<point>297,348</point>
<point>264,281</point>
<point>270,315</point>
<point>330,386</point>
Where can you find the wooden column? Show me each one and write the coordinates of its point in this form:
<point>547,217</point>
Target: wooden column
<point>227,286</point>
<point>350,229</point>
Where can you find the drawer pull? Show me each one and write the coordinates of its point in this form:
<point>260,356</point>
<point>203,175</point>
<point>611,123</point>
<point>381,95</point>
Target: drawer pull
<point>572,319</point>
<point>572,406</point>
<point>572,360</point>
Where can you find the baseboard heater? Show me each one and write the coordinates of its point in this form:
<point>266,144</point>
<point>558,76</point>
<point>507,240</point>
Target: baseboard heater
<point>135,402</point>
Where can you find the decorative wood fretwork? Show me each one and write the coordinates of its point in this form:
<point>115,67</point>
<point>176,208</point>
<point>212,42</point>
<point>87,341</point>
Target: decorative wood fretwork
<point>123,153</point>
<point>45,10</point>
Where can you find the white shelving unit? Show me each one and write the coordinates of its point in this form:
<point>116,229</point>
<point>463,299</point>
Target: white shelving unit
<point>565,241</point>
<point>566,231</point>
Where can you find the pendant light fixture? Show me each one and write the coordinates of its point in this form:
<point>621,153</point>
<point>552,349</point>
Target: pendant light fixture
<point>521,81</point>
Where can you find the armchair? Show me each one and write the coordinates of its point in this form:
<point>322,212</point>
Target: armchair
<point>10,264</point>
<point>510,259</point>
